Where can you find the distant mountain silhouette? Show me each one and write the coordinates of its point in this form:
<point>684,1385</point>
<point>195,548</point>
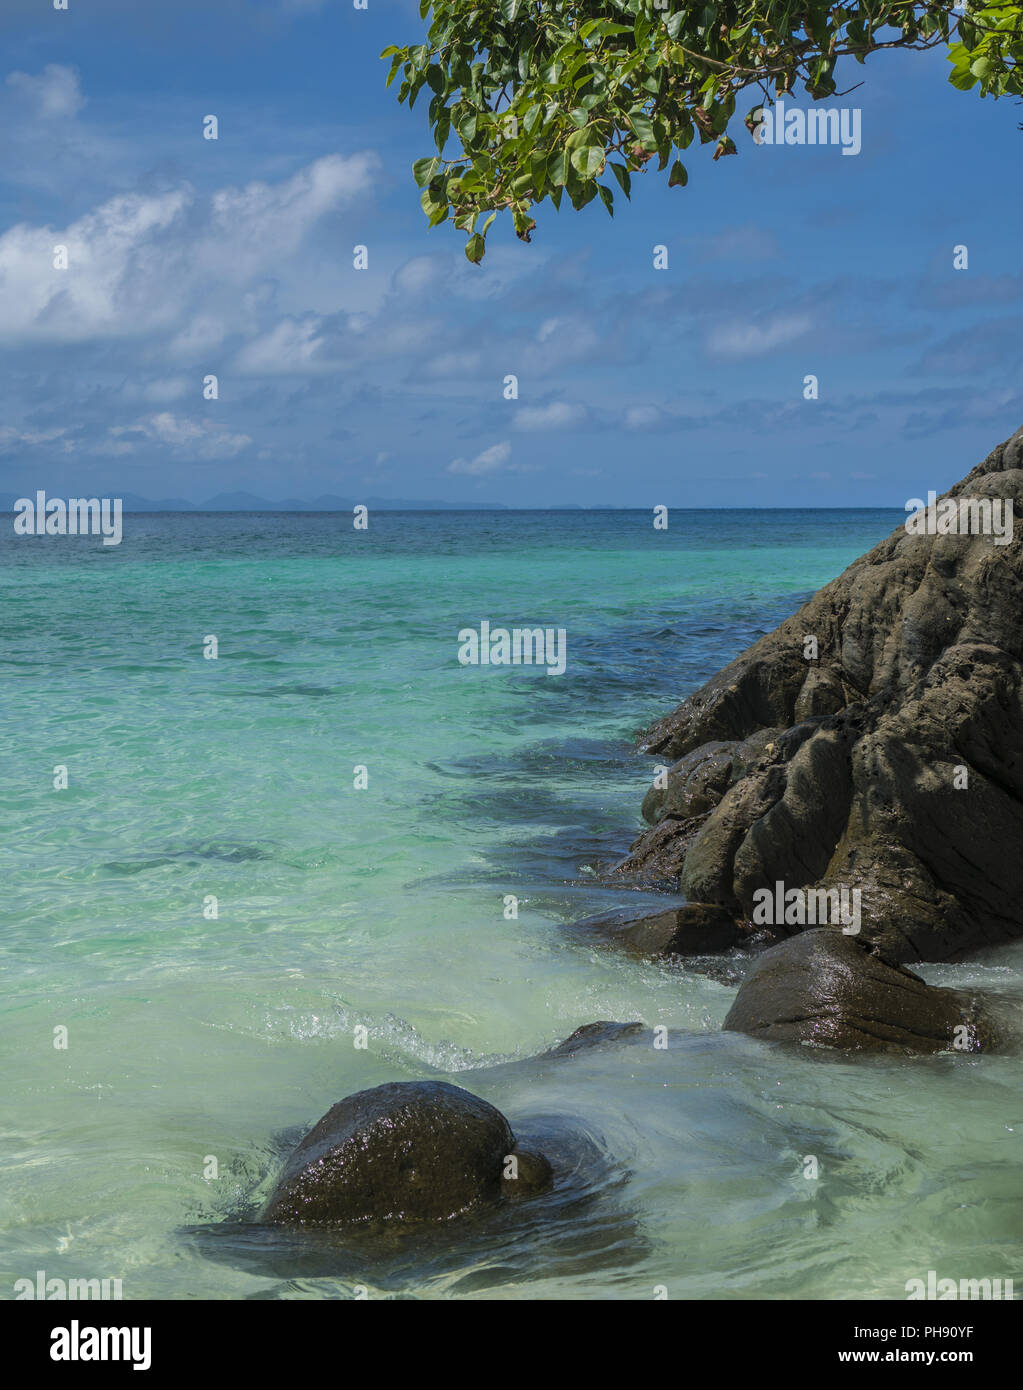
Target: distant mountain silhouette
<point>250,502</point>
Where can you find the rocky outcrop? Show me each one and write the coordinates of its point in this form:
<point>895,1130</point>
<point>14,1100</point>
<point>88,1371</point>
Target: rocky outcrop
<point>873,741</point>
<point>825,989</point>
<point>409,1151</point>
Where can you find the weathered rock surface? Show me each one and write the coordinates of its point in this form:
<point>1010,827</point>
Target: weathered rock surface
<point>592,1035</point>
<point>821,987</point>
<point>689,930</point>
<point>857,779</point>
<point>406,1151</point>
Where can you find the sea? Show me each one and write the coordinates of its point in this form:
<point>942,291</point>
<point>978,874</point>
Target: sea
<point>237,887</point>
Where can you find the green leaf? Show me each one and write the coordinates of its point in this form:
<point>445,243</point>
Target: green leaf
<point>557,168</point>
<point>603,28</point>
<point>424,169</point>
<point>475,248</point>
<point>588,160</point>
<point>643,129</point>
<point>678,178</point>
<point>624,178</point>
<point>443,127</point>
<point>510,8</point>
<point>963,79</point>
<point>524,224</point>
<point>607,198</point>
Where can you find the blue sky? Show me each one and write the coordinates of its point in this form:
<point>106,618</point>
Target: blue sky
<point>636,386</point>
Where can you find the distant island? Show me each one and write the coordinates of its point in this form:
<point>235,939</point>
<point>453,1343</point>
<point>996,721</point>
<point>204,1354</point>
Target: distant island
<point>328,502</point>
<point>250,502</point>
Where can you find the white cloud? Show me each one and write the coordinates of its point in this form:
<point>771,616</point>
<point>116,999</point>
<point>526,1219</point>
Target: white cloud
<point>448,365</point>
<point>55,92</point>
<point>567,339</point>
<point>737,339</point>
<point>251,228</point>
<point>12,438</point>
<point>190,438</point>
<point>200,336</point>
<point>144,263</point>
<point>559,415</point>
<point>645,417</point>
<point>489,461</point>
<point>419,274</point>
<point>291,346</point>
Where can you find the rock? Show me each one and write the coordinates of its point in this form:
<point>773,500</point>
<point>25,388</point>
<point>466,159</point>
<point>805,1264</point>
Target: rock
<point>696,783</point>
<point>592,1035</point>
<point>403,1152</point>
<point>822,987</point>
<point>899,770</point>
<point>531,1173</point>
<point>693,929</point>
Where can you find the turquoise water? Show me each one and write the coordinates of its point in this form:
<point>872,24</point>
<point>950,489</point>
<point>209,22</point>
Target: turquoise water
<point>191,1037</point>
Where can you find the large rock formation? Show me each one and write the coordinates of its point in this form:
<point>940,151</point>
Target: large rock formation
<point>408,1151</point>
<point>890,762</point>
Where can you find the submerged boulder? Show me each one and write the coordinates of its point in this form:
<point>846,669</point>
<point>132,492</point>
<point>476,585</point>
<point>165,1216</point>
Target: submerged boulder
<point>403,1152</point>
<point>821,987</point>
<point>592,1035</point>
<point>689,930</point>
<point>885,755</point>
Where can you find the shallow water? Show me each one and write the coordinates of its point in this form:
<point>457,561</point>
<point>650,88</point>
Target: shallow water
<point>190,1038</point>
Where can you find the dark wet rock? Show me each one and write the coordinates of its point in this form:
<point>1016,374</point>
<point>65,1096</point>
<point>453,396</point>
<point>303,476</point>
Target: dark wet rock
<point>824,988</point>
<point>695,784</point>
<point>658,857</point>
<point>526,1174</point>
<point>723,970</point>
<point>406,1151</point>
<point>579,1223</point>
<point>594,1035</point>
<point>918,685</point>
<point>690,930</point>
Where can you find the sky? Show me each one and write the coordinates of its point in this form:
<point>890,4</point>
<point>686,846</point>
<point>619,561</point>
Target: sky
<point>682,386</point>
